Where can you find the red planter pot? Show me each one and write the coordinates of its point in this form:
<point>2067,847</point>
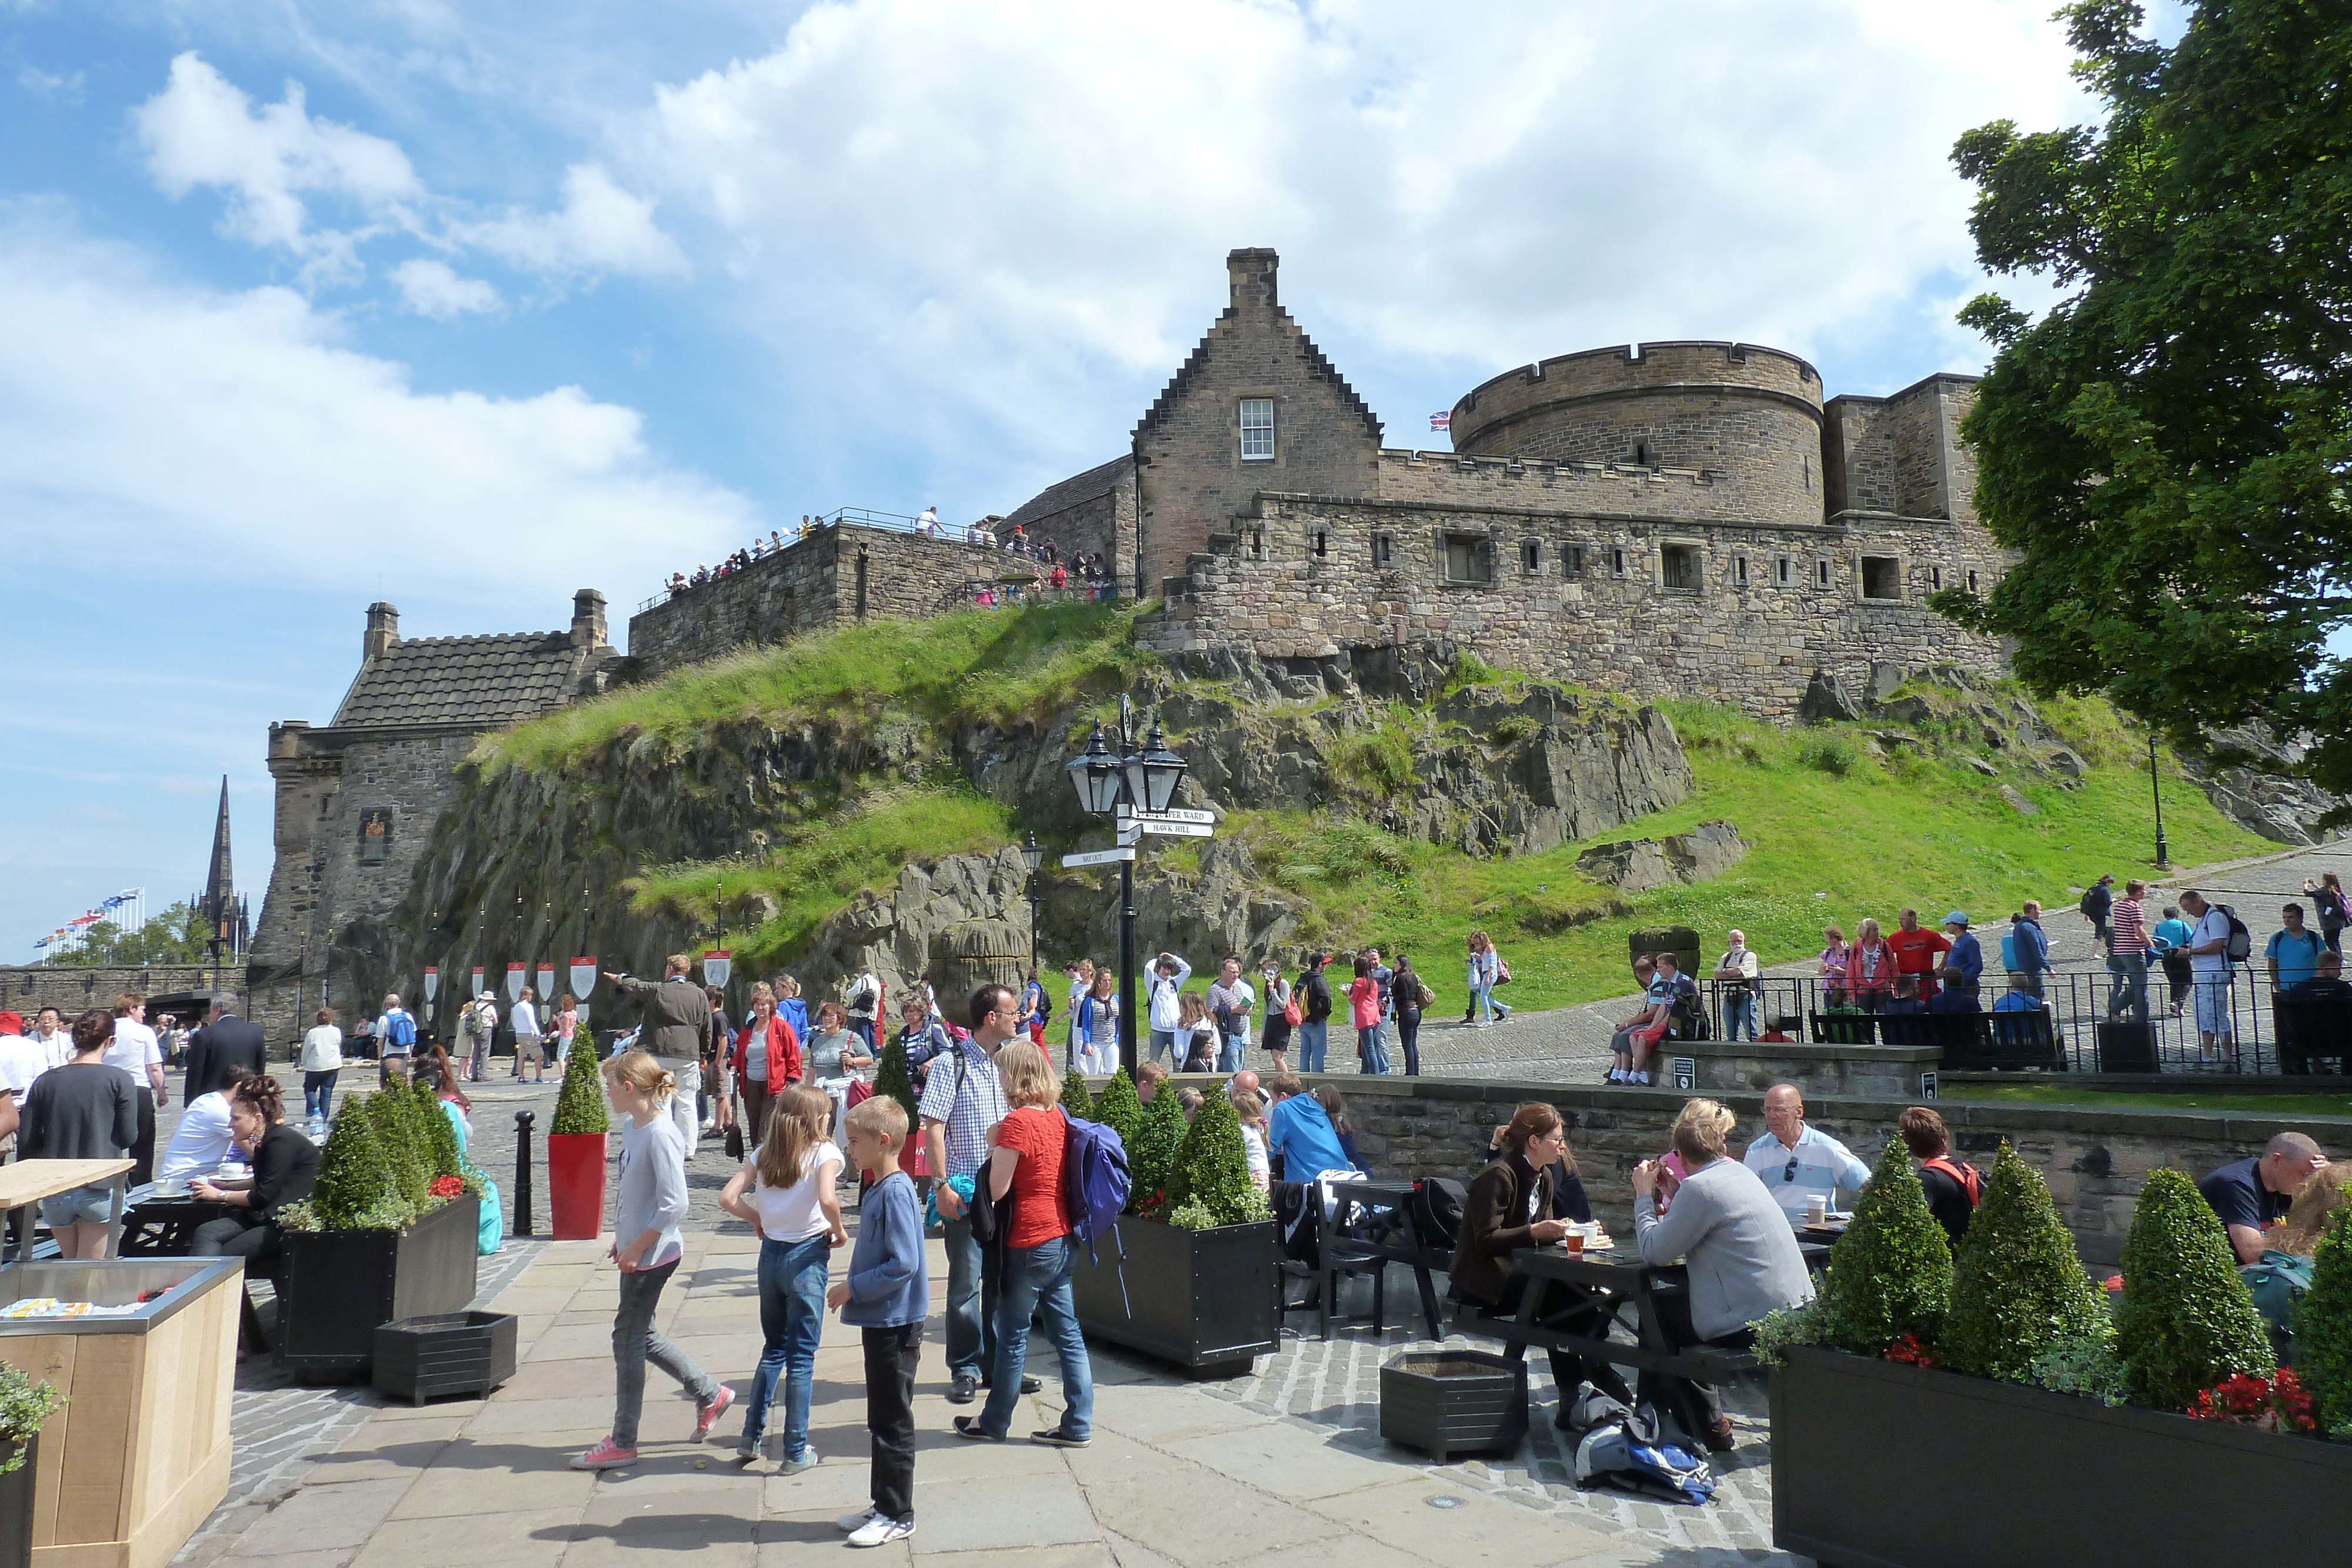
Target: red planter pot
<point>575,1184</point>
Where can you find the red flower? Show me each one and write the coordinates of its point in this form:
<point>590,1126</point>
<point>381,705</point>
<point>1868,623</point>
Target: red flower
<point>2114,1282</point>
<point>447,1187</point>
<point>1910,1351</point>
<point>2274,1404</point>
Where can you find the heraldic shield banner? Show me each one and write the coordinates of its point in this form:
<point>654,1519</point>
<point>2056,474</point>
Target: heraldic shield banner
<point>716,964</point>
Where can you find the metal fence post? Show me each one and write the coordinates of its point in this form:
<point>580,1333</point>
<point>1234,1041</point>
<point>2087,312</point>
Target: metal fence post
<point>523,1120</point>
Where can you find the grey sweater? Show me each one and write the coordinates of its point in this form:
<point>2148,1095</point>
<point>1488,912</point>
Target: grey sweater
<point>1743,1255</point>
<point>653,1188</point>
<point>82,1111</point>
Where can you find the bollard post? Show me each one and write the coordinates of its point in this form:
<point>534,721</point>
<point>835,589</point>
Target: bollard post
<point>523,1120</point>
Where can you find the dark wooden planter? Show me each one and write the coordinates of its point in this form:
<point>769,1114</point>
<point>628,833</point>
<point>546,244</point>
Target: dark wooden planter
<point>1876,1465</point>
<point>1454,1401</point>
<point>16,1503</point>
<point>418,1359</point>
<point>335,1286</point>
<point>1198,1297</point>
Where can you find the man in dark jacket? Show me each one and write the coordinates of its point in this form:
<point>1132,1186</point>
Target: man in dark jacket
<point>1314,993</point>
<point>675,1029</point>
<point>226,1049</point>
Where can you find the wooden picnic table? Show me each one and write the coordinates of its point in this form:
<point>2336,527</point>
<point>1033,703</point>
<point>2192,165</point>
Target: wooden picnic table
<point>1352,1201</point>
<point>27,1182</point>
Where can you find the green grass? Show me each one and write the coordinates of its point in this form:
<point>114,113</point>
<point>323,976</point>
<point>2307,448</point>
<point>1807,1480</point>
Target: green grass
<point>969,665</point>
<point>2297,1105</point>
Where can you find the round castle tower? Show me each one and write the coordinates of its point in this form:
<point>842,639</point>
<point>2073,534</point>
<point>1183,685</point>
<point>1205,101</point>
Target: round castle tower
<point>1748,417</point>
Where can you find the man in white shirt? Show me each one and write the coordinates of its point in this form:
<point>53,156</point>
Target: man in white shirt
<point>49,1034</point>
<point>200,1142</point>
<point>21,1059</point>
<point>1797,1163</point>
<point>395,1038</point>
<point>1229,1002</point>
<point>529,1051</point>
<point>1735,982</point>
<point>138,1052</point>
<point>2211,980</point>
<point>1168,974</point>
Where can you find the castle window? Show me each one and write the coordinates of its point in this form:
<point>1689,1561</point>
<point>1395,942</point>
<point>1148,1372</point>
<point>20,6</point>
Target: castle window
<point>1384,550</point>
<point>1972,582</point>
<point>1936,579</point>
<point>1679,566</point>
<point>1572,561</point>
<point>1320,543</point>
<point>1257,429</point>
<point>1809,475</point>
<point>1882,577</point>
<point>1531,556</point>
<point>1739,571</point>
<point>1258,544</point>
<point>1469,560</point>
<point>1822,573</point>
<point>1617,563</point>
<point>1641,455</point>
<point>1784,572</point>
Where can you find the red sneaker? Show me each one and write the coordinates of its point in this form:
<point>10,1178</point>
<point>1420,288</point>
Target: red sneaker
<point>712,1411</point>
<point>606,1455</point>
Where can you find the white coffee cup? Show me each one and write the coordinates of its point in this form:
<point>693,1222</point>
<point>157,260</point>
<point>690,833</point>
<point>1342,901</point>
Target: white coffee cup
<point>1817,1209</point>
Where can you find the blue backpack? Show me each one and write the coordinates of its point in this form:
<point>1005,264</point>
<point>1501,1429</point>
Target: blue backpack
<point>1096,1181</point>
<point>404,1028</point>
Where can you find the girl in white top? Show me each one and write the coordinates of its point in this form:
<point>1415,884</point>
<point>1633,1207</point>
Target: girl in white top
<point>786,1192</point>
<point>1196,1034</point>
<point>1251,1111</point>
<point>322,1058</point>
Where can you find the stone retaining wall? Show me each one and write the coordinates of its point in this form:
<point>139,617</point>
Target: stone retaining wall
<point>71,989</point>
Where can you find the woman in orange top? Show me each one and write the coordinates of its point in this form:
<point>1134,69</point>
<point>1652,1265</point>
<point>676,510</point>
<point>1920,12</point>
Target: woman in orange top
<point>1025,1170</point>
<point>1869,968</point>
<point>1364,1005</point>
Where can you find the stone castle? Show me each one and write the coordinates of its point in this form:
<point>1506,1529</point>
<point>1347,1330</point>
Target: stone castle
<point>1668,518</point>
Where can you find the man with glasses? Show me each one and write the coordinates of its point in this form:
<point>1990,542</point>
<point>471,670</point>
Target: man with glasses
<point>1797,1163</point>
<point>963,1101</point>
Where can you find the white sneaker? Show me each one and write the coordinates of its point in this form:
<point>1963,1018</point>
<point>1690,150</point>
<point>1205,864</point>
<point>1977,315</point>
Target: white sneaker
<point>880,1531</point>
<point>850,1524</point>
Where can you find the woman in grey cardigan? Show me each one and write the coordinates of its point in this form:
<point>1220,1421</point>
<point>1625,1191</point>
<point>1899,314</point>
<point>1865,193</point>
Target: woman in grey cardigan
<point>1742,1255</point>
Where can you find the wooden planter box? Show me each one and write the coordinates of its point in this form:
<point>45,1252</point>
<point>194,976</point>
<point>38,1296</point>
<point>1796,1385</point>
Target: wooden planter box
<point>1876,1465</point>
<point>16,1502</point>
<point>1198,1297</point>
<point>335,1286</point>
<point>1454,1401</point>
<point>418,1359</point>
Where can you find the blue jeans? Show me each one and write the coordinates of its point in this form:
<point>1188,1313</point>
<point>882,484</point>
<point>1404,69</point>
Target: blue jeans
<point>1163,1040</point>
<point>1311,1040</point>
<point>1229,1055</point>
<point>792,1276</point>
<point>318,1092</point>
<point>972,1301</point>
<point>1037,1279</point>
<point>2128,998</point>
<point>1739,1012</point>
<point>1484,1005</point>
<point>1372,1048</point>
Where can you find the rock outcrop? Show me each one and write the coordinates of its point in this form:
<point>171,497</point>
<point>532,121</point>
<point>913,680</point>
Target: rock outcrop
<point>1637,865</point>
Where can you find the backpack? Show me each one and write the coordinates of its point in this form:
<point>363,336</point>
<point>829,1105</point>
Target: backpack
<point>1095,1180</point>
<point>1435,1210</point>
<point>1971,1181</point>
<point>402,1030</point>
<point>2093,906</point>
<point>2242,941</point>
<point>1686,1020</point>
<point>1636,1453</point>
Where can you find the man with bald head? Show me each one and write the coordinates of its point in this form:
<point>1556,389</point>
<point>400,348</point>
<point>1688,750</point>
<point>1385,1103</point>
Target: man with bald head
<point>2251,1194</point>
<point>1797,1163</point>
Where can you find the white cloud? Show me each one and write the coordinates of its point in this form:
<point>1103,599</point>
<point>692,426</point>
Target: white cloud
<point>234,438</point>
<point>429,287</point>
<point>600,227</point>
<point>56,87</point>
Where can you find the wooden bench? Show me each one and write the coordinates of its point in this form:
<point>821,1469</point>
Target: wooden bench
<point>2313,1029</point>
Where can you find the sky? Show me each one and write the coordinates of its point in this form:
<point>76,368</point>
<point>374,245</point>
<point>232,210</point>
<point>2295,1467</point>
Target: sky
<point>466,307</point>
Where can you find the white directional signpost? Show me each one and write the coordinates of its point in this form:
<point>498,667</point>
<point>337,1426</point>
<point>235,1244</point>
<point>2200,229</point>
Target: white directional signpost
<point>1100,857</point>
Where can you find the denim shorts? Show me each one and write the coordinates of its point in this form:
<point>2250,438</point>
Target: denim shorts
<point>84,1206</point>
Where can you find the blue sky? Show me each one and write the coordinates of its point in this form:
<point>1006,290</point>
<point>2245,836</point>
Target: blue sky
<point>467,306</point>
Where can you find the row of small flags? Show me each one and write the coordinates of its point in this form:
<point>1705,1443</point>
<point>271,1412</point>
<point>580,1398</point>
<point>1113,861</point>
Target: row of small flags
<point>90,916</point>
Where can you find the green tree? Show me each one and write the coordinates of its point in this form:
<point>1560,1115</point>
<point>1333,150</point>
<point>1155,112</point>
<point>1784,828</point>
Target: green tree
<point>177,935</point>
<point>2018,1287</point>
<point>1076,1098</point>
<point>1151,1153</point>
<point>1891,1272</point>
<point>2167,446</point>
<point>408,1143</point>
<point>2187,1322</point>
<point>441,1133</point>
<point>1212,1185</point>
<point>893,1080</point>
<point>580,1100</point>
<point>2323,1327</point>
<point>354,1189</point>
<point>1120,1109</point>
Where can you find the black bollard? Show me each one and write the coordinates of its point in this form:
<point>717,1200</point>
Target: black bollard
<point>523,1120</point>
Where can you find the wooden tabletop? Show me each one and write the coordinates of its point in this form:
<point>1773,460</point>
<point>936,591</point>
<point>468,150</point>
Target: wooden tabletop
<point>29,1181</point>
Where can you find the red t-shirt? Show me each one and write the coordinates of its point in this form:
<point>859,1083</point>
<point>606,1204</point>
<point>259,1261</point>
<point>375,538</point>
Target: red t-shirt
<point>1916,952</point>
<point>1040,1210</point>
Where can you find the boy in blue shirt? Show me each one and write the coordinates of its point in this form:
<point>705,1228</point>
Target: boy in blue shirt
<point>886,1294</point>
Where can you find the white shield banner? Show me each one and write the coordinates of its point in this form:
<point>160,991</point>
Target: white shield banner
<point>583,978</point>
<point>517,976</point>
<point>478,987</point>
<point>546,987</point>
<point>432,984</point>
<point>716,964</point>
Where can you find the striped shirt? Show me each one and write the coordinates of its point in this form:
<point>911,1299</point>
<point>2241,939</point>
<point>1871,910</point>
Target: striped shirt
<point>2129,921</point>
<point>964,1090</point>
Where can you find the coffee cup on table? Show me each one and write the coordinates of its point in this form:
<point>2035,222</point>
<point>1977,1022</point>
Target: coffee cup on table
<point>1817,1210</point>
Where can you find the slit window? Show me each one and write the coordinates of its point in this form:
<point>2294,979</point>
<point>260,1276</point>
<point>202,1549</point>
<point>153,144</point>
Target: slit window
<point>1257,429</point>
<point>1936,579</point>
<point>1882,577</point>
<point>1531,557</point>
<point>1784,572</point>
<point>1641,455</point>
<point>1572,560</point>
<point>1258,544</point>
<point>1972,582</point>
<point>1469,558</point>
<point>1319,543</point>
<point>1383,549</point>
<point>1739,571</point>
<point>1822,573</point>
<point>1617,563</point>
<point>1679,566</point>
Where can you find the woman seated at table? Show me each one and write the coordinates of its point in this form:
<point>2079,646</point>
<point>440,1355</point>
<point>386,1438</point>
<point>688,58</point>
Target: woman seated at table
<point>1568,1200</point>
<point>285,1163</point>
<point>1743,1258</point>
<point>1502,1217</point>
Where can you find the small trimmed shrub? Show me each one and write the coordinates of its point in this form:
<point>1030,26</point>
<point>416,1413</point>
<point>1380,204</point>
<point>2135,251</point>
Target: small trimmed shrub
<point>1151,1153</point>
<point>1891,1272</point>
<point>2187,1322</point>
<point>580,1103</point>
<point>2018,1287</point>
<point>1120,1109</point>
<point>408,1143</point>
<point>355,1188</point>
<point>448,1159</point>
<point>2085,1367</point>
<point>1076,1098</point>
<point>2322,1326</point>
<point>894,1079</point>
<point>24,1408</point>
<point>1212,1184</point>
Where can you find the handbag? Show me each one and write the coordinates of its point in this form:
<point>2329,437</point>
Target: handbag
<point>1292,1013</point>
<point>735,1141</point>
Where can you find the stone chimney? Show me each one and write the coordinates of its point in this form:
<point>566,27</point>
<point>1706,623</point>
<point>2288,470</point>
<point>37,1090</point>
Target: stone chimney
<point>1252,272</point>
<point>587,618</point>
<point>382,629</point>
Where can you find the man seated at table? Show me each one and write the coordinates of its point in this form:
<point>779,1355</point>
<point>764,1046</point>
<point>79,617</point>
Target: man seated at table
<point>1798,1163</point>
<point>200,1142</point>
<point>2253,1193</point>
<point>1958,994</point>
<point>1299,1133</point>
<point>1743,1258</point>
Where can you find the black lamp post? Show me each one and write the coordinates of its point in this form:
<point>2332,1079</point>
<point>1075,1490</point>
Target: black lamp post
<point>1033,857</point>
<point>2163,853</point>
<point>1140,778</point>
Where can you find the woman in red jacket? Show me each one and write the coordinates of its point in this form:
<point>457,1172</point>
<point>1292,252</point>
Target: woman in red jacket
<point>762,1073</point>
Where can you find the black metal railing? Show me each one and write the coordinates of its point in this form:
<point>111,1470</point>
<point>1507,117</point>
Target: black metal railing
<point>971,534</point>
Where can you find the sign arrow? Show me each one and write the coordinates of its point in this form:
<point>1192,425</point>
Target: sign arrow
<point>1159,829</point>
<point>1173,814</point>
<point>1098,857</point>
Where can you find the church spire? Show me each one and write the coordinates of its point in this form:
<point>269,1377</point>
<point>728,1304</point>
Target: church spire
<point>220,883</point>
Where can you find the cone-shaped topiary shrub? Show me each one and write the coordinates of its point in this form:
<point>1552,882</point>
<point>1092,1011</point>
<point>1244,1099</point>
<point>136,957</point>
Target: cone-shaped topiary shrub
<point>407,1144</point>
<point>2186,1321</point>
<point>2323,1327</point>
<point>446,1159</point>
<point>1891,1272</point>
<point>1151,1152</point>
<point>2017,1285</point>
<point>894,1080</point>
<point>1076,1098</point>
<point>580,1103</point>
<point>354,1189</point>
<point>1212,1185</point>
<point>1120,1109</point>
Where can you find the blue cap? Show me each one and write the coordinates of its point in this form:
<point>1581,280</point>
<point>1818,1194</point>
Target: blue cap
<point>1956,918</point>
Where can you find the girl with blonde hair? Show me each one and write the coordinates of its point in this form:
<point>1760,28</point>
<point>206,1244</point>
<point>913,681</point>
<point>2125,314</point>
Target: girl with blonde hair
<point>788,1196</point>
<point>1196,1034</point>
<point>647,1243</point>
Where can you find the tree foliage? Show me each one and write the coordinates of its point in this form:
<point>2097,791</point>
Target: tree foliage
<point>2322,1326</point>
<point>580,1101</point>
<point>2018,1287</point>
<point>893,1080</point>
<point>1151,1152</point>
<point>1891,1272</point>
<point>355,1188</point>
<point>2187,1322</point>
<point>1076,1098</point>
<point>178,935</point>
<point>2167,446</point>
<point>1212,1185</point>
<point>1120,1109</point>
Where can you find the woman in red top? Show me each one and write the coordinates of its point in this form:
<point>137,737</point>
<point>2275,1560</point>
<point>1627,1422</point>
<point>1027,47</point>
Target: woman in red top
<point>761,1077</point>
<point>1025,1174</point>
<point>1869,968</point>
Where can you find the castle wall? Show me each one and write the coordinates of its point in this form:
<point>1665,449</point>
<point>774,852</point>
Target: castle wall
<point>72,989</point>
<point>1103,525</point>
<point>1535,485</point>
<point>1310,575</point>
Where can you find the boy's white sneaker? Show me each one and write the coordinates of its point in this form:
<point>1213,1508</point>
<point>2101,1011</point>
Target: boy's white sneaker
<point>880,1531</point>
<point>850,1524</point>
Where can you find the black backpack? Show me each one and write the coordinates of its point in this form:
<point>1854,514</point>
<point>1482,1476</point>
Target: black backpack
<point>1435,1209</point>
<point>1686,1020</point>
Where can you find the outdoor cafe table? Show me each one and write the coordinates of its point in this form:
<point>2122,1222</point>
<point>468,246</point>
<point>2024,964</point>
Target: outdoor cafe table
<point>161,1226</point>
<point>27,1182</point>
<point>1352,1202</point>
